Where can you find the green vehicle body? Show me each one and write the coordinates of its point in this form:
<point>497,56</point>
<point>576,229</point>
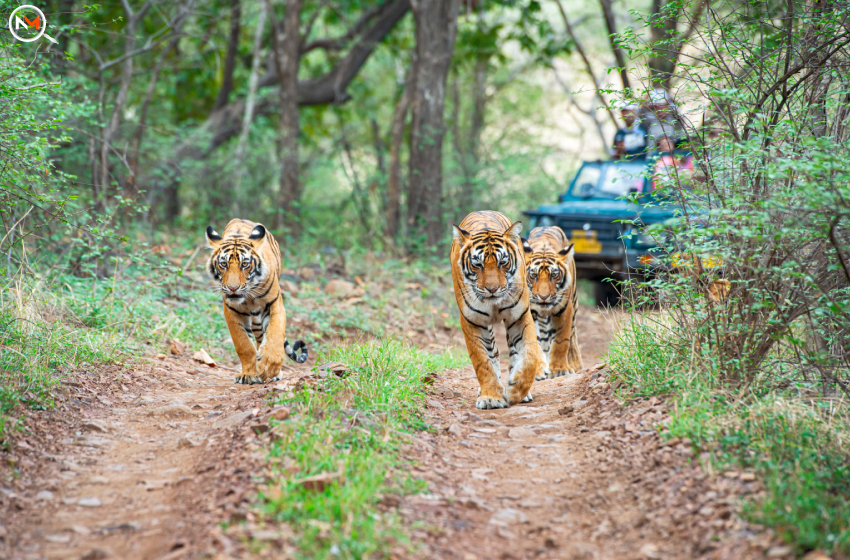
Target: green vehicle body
<point>595,203</point>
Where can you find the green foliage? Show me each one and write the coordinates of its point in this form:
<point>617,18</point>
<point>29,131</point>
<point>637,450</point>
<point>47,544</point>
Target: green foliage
<point>798,450</point>
<point>39,345</point>
<point>385,389</point>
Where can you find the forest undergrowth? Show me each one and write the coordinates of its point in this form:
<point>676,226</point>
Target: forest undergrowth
<point>59,324</point>
<point>795,442</point>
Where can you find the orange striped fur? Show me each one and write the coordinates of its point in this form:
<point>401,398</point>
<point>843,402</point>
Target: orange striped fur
<point>245,261</point>
<point>488,271</point>
<point>552,282</point>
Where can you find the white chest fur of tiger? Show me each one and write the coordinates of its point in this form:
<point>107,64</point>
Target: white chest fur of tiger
<point>488,271</point>
<point>245,261</point>
<point>551,274</point>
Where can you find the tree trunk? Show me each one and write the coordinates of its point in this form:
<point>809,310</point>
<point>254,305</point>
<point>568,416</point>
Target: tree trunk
<point>663,28</point>
<point>479,106</point>
<point>136,142</point>
<point>611,25</point>
<point>588,66</point>
<point>393,208</point>
<point>468,154</point>
<point>287,60</point>
<point>436,27</point>
<point>230,59</point>
<point>250,101</point>
<point>118,105</point>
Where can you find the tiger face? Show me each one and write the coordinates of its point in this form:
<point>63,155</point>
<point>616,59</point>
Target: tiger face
<point>548,276</point>
<point>236,264</point>
<point>489,261</point>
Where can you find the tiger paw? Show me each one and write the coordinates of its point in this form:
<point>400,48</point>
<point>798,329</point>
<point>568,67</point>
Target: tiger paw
<point>560,373</point>
<point>247,380</point>
<point>528,398</point>
<point>486,403</point>
<point>542,376</point>
<point>268,363</point>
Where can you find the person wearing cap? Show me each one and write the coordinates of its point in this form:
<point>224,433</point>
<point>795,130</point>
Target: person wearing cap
<point>661,118</point>
<point>631,141</point>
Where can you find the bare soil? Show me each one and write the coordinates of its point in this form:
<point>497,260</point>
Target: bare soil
<point>144,466</point>
<point>575,474</point>
<point>145,462</point>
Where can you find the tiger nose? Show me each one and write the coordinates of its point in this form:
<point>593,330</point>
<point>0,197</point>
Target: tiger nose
<point>492,290</point>
<point>544,298</point>
<point>233,288</point>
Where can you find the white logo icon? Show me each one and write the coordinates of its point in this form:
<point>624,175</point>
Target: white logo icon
<point>22,22</point>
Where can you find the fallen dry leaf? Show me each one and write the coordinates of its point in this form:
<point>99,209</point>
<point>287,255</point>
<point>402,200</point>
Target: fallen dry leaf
<point>204,358</point>
<point>337,368</point>
<point>176,347</point>
<point>319,482</point>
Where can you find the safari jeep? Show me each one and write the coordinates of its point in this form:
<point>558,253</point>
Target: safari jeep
<point>595,216</point>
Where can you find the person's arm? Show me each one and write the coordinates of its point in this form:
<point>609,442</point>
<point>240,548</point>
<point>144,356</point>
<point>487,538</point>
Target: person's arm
<point>619,144</point>
<point>619,149</point>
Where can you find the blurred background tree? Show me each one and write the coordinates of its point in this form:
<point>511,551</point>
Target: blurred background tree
<point>369,123</point>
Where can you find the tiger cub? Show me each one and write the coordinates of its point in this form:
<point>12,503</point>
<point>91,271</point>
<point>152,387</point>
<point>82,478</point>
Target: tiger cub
<point>245,261</point>
<point>488,271</point>
<point>552,283</point>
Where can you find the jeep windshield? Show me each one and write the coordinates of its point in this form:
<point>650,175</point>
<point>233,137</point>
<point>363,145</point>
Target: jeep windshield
<point>609,180</point>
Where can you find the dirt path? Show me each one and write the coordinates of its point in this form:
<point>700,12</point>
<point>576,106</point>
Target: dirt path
<point>143,467</point>
<point>572,475</point>
<point>144,463</point>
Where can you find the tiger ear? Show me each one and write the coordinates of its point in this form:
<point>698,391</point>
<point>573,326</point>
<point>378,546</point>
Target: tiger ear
<point>525,245</point>
<point>460,235</point>
<point>564,253</point>
<point>514,231</point>
<point>213,237</point>
<point>258,233</point>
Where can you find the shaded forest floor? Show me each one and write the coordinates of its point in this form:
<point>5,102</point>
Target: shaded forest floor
<point>166,459</point>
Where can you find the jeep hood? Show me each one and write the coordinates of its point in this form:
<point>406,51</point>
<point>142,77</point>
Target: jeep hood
<point>606,209</point>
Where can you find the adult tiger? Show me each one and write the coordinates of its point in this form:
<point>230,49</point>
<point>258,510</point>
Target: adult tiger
<point>245,260</point>
<point>552,282</point>
<point>488,270</point>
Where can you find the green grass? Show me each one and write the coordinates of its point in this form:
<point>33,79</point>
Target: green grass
<point>387,386</point>
<point>38,345</point>
<point>799,450</point>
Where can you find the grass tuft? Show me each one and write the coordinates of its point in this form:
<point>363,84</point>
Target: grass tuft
<point>386,389</point>
<point>799,448</point>
<point>39,345</point>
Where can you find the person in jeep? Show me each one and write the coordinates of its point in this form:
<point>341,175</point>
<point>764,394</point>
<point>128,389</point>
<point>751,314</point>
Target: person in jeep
<point>632,141</point>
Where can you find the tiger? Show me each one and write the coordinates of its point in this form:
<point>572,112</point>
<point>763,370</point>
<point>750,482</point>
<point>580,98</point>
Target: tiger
<point>245,261</point>
<point>488,274</point>
<point>552,283</point>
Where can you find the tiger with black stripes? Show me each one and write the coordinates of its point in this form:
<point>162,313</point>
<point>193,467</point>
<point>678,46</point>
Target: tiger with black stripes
<point>245,261</point>
<point>551,275</point>
<point>488,271</point>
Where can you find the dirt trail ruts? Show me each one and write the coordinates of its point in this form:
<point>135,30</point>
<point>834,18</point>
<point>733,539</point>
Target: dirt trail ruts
<point>135,464</point>
<point>144,462</point>
<point>571,475</point>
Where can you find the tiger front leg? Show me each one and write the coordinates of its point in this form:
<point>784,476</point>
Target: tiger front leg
<point>564,356</point>
<point>526,358</point>
<point>271,352</point>
<point>240,329</point>
<point>483,353</point>
<point>545,334</point>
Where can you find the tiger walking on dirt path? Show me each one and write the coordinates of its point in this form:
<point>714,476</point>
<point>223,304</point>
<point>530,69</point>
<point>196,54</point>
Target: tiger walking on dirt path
<point>554,300</point>
<point>488,271</point>
<point>245,261</point>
